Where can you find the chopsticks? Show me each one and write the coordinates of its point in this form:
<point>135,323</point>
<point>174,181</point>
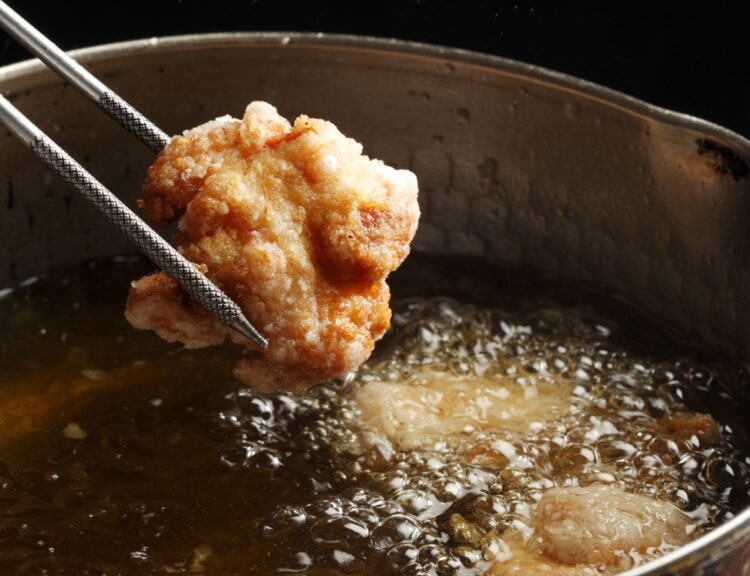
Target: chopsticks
<point>54,157</point>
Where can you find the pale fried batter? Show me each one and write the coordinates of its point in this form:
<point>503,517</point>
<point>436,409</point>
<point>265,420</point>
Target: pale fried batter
<point>601,524</point>
<point>441,407</point>
<point>296,225</point>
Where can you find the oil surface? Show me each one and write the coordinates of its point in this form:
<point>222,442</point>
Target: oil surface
<point>123,455</point>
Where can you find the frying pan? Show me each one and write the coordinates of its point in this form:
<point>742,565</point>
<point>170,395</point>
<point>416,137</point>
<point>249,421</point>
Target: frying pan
<point>521,166</point>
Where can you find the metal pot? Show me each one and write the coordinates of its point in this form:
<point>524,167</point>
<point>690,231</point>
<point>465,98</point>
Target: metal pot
<point>522,166</point>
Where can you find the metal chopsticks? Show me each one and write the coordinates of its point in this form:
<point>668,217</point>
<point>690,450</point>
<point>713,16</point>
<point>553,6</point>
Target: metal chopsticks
<point>45,149</point>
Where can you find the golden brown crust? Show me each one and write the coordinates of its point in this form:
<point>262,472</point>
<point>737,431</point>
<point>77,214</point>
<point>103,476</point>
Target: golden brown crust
<point>177,175</point>
<point>296,225</point>
<point>156,302</point>
<point>691,427</point>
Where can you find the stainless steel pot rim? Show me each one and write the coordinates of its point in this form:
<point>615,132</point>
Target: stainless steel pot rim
<point>707,546</point>
<point>531,72</point>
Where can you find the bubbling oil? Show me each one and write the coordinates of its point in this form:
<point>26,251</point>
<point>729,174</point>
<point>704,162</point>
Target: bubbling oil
<point>120,454</point>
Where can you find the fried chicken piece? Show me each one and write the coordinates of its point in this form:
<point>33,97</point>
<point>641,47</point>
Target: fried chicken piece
<point>438,406</point>
<point>601,524</point>
<point>700,429</point>
<point>293,223</point>
<point>157,302</point>
<point>592,531</point>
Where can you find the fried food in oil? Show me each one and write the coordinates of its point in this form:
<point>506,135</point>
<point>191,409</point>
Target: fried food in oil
<point>438,407</point>
<point>590,531</point>
<point>601,524</point>
<point>574,531</point>
<point>296,225</point>
<point>695,427</point>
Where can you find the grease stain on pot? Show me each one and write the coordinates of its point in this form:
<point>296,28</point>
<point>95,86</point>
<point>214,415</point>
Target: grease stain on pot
<point>722,159</point>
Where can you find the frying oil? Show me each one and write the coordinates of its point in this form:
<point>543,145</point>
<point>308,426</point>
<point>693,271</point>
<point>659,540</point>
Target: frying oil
<point>121,454</point>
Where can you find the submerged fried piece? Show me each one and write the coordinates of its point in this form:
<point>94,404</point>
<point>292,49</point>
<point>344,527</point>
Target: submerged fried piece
<point>573,531</point>
<point>439,407</point>
<point>590,531</point>
<point>296,225</point>
<point>605,525</point>
<point>695,427</point>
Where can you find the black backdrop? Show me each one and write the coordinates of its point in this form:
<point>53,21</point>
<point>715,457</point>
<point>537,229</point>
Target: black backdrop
<point>691,57</point>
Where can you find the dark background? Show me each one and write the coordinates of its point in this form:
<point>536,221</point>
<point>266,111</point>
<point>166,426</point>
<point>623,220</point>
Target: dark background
<point>690,57</point>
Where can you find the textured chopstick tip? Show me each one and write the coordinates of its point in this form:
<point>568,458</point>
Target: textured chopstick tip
<point>244,327</point>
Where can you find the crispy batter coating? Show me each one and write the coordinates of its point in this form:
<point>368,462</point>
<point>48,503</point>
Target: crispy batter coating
<point>601,524</point>
<point>695,427</point>
<point>296,225</point>
<point>590,531</point>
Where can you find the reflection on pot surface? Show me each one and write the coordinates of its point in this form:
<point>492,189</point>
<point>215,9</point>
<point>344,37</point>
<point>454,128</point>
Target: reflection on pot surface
<point>498,429</point>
